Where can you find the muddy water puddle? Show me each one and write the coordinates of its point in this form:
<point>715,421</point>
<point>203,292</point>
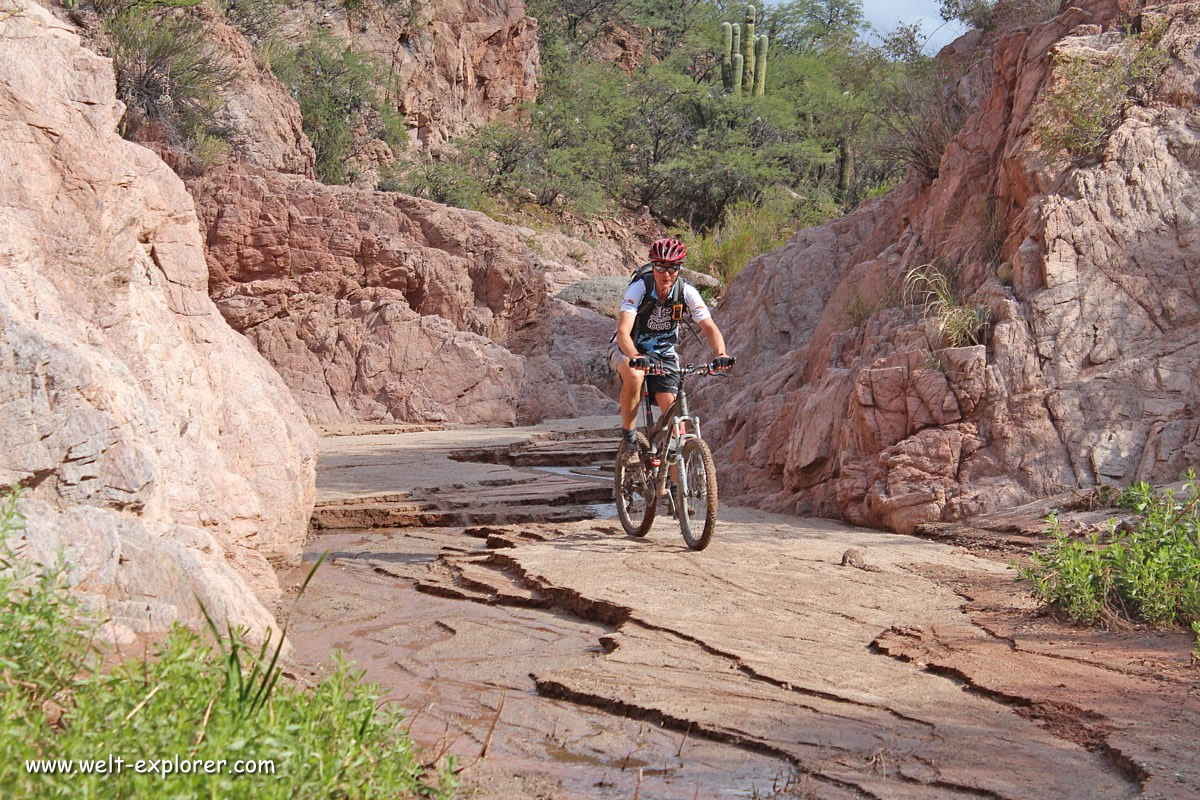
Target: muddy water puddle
<point>461,671</point>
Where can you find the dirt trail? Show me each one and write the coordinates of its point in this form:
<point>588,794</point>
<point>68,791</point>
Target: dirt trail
<point>593,664</point>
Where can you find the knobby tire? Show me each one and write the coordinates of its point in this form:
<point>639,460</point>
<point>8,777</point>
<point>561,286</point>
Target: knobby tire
<point>697,463</point>
<point>627,483</point>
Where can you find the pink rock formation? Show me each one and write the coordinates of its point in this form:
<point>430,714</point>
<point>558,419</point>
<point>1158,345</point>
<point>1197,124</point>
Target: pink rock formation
<point>1089,374</point>
<point>379,307</point>
<point>156,448</point>
<point>456,63</point>
<point>266,123</point>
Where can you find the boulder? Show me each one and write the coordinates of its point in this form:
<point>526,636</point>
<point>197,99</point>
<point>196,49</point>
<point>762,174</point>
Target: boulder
<point>600,295</point>
<point>153,445</point>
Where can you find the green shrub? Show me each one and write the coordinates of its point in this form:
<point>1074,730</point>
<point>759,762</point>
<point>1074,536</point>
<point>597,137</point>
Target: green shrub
<point>1072,575</point>
<point>919,112</point>
<point>972,13</point>
<point>338,89</point>
<point>1088,99</point>
<point>204,151</point>
<point>1028,12</point>
<point>256,19</point>
<point>1148,572</point>
<point>191,700</point>
<point>441,181</point>
<point>167,71</point>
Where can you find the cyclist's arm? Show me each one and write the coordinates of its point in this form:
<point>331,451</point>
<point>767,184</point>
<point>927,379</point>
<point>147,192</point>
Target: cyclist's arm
<point>713,334</point>
<point>625,334</point>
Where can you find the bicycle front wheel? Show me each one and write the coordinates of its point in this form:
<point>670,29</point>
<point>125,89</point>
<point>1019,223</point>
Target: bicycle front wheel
<point>697,506</point>
<point>634,488</point>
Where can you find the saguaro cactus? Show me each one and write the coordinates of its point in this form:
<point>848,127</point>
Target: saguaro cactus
<point>741,67</point>
<point>760,66</point>
<point>731,44</point>
<point>748,76</point>
<point>727,55</point>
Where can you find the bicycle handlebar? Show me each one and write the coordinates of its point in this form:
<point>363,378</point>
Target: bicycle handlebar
<point>659,367</point>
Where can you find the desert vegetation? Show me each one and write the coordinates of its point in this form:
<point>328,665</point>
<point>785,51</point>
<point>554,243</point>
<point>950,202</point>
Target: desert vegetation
<point>639,108</point>
<point>1144,571</point>
<point>930,288</point>
<point>1091,93</point>
<point>199,698</point>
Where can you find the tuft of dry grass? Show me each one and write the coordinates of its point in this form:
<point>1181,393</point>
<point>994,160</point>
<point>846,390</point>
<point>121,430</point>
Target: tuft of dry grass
<point>932,290</point>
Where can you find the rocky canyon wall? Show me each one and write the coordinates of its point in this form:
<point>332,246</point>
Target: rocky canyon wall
<point>379,307</point>
<point>848,403</point>
<point>455,63</point>
<point>156,449</point>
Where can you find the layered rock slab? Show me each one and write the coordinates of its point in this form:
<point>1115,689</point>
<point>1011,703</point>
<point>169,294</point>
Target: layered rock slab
<point>1089,368</point>
<point>157,449</point>
<point>872,663</point>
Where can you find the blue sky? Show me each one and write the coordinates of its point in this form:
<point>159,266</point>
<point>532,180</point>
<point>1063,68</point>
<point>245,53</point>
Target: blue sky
<point>884,15</point>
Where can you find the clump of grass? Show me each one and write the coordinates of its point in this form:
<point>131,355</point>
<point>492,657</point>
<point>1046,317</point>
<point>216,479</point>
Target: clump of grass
<point>858,309</point>
<point>191,699</point>
<point>1089,97</point>
<point>990,232</point>
<point>1147,572</point>
<point>932,290</point>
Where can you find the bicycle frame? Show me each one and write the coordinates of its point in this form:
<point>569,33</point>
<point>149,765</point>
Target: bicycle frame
<point>675,426</point>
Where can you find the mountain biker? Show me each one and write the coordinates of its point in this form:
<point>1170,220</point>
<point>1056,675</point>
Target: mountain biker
<point>648,326</point>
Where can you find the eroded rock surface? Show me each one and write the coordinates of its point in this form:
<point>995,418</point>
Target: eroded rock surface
<point>925,672</point>
<point>847,403</point>
<point>458,63</point>
<point>379,307</point>
<point>156,447</point>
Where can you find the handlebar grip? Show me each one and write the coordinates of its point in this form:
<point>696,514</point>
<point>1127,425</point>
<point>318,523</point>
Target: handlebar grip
<point>723,362</point>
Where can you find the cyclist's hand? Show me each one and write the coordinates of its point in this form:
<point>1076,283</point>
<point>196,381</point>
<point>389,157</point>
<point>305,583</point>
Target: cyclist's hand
<point>723,362</point>
<point>641,362</point>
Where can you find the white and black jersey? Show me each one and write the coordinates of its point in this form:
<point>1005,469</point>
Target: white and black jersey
<point>657,332</point>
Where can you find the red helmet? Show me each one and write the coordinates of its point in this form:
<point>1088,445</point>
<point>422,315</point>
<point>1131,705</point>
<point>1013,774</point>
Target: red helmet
<point>668,250</point>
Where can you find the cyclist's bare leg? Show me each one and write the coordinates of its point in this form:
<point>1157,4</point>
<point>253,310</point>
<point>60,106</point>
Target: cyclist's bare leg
<point>631,391</point>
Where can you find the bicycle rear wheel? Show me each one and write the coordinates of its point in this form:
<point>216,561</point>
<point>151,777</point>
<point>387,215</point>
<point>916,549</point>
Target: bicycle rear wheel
<point>697,507</point>
<point>634,488</point>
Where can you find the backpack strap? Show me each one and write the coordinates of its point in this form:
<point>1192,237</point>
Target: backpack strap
<point>675,300</point>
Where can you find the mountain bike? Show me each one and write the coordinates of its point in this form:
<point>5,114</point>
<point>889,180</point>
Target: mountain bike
<point>671,464</point>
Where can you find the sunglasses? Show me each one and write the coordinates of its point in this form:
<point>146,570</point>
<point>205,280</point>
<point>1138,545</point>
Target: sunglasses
<point>667,268</point>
